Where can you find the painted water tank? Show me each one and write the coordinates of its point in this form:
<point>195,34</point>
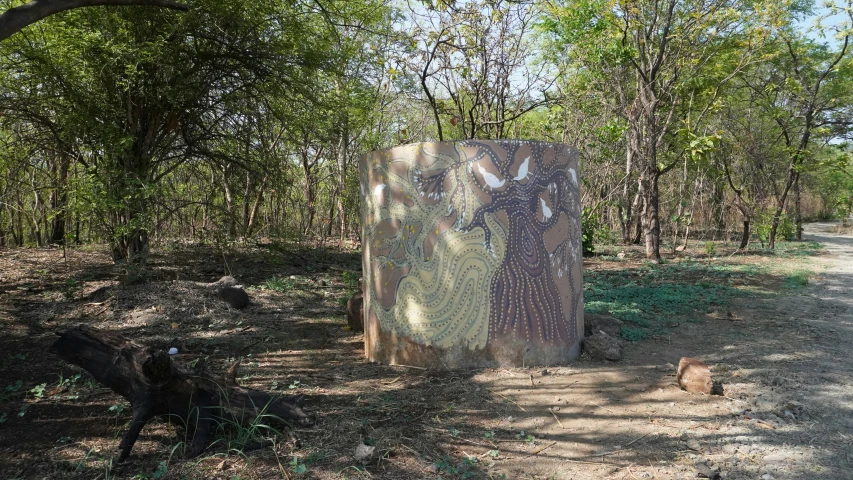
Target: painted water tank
<point>472,254</point>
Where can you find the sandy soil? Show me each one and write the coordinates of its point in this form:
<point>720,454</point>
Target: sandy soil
<point>787,368</point>
<point>785,362</point>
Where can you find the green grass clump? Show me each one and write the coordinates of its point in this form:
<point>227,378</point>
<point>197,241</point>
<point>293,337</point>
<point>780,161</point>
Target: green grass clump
<point>279,284</point>
<point>798,249</point>
<point>653,298</point>
<point>634,334</point>
<point>797,279</point>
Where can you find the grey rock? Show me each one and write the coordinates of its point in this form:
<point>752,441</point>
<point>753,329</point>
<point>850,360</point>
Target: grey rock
<point>667,367</point>
<point>774,459</point>
<point>226,281</point>
<point>708,470</point>
<point>147,317</point>
<point>235,297</point>
<point>594,323</point>
<point>692,444</point>
<point>602,346</point>
<point>363,452</point>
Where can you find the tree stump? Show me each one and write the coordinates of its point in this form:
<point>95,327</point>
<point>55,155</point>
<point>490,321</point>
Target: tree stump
<point>156,385</point>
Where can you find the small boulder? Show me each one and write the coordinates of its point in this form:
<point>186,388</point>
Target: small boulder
<point>695,377</point>
<point>147,317</point>
<point>363,453</point>
<point>226,281</point>
<point>235,297</point>
<point>601,346</point>
<point>594,323</point>
<point>667,367</point>
<point>355,312</point>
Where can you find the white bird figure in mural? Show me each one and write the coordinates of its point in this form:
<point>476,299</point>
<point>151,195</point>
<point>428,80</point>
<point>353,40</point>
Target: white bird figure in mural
<point>377,192</point>
<point>491,180</point>
<point>523,170</point>
<point>546,212</point>
<point>574,176</point>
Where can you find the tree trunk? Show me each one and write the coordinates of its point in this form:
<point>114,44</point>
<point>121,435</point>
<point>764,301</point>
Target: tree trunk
<point>626,217</point>
<point>247,199</point>
<point>253,215</point>
<point>156,385</point>
<point>718,218</point>
<point>744,239</point>
<point>774,227</point>
<point>798,217</point>
<point>59,202</point>
<point>343,144</point>
<point>15,19</point>
<point>229,204</point>
<point>650,218</point>
<point>310,193</point>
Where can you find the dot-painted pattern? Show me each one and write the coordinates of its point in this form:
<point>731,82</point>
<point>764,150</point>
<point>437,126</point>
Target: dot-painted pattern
<point>474,240</point>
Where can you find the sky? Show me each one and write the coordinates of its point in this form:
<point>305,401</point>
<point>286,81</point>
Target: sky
<point>829,23</point>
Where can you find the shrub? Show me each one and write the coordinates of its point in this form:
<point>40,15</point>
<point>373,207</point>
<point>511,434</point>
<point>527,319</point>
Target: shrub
<point>593,231</point>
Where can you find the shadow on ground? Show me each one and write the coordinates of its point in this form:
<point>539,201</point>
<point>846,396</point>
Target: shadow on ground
<point>778,352</point>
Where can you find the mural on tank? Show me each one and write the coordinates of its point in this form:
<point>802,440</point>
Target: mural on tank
<point>465,242</point>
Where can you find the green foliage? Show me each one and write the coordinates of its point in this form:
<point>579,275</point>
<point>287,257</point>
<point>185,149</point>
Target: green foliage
<point>634,334</point>
<point>10,391</point>
<point>593,231</point>
<point>235,434</point>
<point>832,181</point>
<point>138,115</point>
<point>461,470</point>
<point>297,466</point>
<point>798,249</point>
<point>710,249</point>
<point>653,298</point>
<point>70,288</point>
<point>764,223</point>
<point>158,473</point>
<point>797,279</point>
<point>38,390</point>
<point>350,279</point>
<point>279,284</point>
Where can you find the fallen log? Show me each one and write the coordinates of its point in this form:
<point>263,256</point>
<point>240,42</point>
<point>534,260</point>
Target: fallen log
<point>155,385</point>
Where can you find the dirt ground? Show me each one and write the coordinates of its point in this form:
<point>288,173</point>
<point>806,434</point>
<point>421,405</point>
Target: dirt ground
<point>784,359</point>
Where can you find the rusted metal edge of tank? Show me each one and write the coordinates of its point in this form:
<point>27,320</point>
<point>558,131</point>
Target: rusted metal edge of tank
<point>393,349</point>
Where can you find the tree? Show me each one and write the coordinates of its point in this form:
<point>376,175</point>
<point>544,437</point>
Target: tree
<point>806,90</point>
<point>17,18</point>
<point>681,55</point>
<point>139,95</point>
<point>474,63</point>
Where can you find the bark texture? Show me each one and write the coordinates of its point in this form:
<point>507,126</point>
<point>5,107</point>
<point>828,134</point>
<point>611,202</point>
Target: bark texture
<point>156,385</point>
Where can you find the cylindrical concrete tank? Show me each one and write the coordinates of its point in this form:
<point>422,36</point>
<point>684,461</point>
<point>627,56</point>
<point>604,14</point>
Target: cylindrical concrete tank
<point>472,254</point>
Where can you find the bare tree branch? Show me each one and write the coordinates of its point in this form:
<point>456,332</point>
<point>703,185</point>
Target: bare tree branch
<point>15,19</point>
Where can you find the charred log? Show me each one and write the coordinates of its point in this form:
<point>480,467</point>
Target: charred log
<point>155,385</point>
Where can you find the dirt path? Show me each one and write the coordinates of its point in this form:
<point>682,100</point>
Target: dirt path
<point>787,367</point>
<point>781,351</point>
